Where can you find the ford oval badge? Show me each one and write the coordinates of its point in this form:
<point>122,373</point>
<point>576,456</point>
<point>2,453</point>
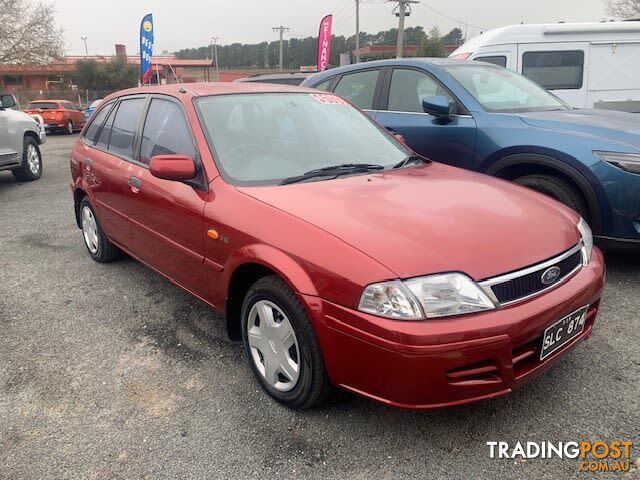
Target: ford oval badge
<point>550,275</point>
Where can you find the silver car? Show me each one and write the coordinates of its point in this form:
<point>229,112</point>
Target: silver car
<point>20,138</point>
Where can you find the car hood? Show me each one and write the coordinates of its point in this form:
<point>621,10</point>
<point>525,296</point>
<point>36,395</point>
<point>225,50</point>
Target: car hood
<point>432,218</point>
<point>607,124</point>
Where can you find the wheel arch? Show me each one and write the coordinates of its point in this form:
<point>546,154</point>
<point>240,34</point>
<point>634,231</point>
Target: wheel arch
<point>250,264</point>
<point>511,165</point>
<point>33,135</point>
<point>78,195</point>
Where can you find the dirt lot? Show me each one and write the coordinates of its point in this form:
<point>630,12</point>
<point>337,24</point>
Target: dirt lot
<point>110,371</point>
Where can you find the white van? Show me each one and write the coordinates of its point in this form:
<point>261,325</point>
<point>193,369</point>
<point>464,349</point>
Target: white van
<point>592,65</point>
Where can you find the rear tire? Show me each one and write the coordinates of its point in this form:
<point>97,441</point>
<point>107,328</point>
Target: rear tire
<point>302,358</point>
<point>559,189</point>
<point>31,167</point>
<point>69,129</point>
<point>98,245</point>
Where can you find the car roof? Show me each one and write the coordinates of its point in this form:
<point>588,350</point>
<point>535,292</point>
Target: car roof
<point>49,101</point>
<point>274,76</point>
<point>394,62</point>
<point>211,88</point>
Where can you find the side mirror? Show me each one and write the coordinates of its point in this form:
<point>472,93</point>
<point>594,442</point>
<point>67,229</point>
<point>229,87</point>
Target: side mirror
<point>7,101</point>
<point>437,105</point>
<point>173,167</point>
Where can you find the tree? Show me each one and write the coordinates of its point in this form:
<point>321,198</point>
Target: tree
<point>113,75</point>
<point>624,8</point>
<point>432,46</point>
<point>454,37</point>
<point>28,33</point>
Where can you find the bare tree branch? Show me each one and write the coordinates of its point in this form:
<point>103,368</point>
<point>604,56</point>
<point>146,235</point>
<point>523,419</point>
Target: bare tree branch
<point>28,33</point>
<point>624,8</point>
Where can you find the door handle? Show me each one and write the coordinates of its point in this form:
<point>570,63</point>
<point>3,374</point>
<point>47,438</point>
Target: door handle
<point>135,183</point>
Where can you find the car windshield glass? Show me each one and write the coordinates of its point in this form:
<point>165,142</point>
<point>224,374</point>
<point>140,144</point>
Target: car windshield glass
<point>42,106</point>
<point>262,139</point>
<point>501,90</point>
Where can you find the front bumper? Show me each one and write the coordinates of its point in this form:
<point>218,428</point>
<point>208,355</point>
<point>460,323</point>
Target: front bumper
<point>439,363</point>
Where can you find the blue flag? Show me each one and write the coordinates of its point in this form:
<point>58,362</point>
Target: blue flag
<point>146,48</point>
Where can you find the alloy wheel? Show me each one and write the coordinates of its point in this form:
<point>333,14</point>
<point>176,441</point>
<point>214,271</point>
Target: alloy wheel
<point>33,159</point>
<point>69,127</point>
<point>90,230</point>
<point>273,345</point>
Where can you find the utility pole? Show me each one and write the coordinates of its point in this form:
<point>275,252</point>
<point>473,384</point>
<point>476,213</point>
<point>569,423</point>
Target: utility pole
<point>404,9</point>
<point>357,31</point>
<point>86,50</point>
<point>281,29</point>
<point>214,55</point>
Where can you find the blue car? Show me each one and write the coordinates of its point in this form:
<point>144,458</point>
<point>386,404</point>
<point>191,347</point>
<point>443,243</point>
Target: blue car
<point>489,119</point>
<point>90,109</point>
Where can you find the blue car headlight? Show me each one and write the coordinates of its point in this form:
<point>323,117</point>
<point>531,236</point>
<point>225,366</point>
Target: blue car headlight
<point>629,162</point>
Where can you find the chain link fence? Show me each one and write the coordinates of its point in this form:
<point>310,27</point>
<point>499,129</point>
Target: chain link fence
<point>82,98</point>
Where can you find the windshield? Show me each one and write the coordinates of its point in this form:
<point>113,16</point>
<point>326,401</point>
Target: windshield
<point>42,106</point>
<point>261,139</point>
<point>502,90</point>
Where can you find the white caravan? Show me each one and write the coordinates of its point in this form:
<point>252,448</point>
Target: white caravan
<point>588,65</point>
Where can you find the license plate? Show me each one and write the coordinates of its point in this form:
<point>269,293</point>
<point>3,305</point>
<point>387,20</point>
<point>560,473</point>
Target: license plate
<point>563,331</point>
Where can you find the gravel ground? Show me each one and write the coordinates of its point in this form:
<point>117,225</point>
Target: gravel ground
<point>110,371</point>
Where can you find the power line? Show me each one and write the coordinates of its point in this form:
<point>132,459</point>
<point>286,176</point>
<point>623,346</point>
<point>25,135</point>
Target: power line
<point>423,4</point>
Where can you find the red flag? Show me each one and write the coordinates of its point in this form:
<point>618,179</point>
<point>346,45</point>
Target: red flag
<point>324,43</point>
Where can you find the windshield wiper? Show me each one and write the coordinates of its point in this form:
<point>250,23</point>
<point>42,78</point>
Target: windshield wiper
<point>410,159</point>
<point>333,170</point>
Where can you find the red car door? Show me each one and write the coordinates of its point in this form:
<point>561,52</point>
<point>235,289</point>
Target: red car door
<point>104,175</point>
<point>166,216</point>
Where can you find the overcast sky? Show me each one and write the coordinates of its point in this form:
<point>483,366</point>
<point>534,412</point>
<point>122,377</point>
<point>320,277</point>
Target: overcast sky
<point>190,23</point>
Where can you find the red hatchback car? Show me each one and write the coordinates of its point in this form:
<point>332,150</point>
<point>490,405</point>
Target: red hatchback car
<point>58,115</point>
<point>336,254</point>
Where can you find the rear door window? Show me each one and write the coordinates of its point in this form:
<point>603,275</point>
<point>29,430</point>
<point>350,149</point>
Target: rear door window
<point>166,132</point>
<point>124,127</point>
<point>359,88</point>
<point>559,70</point>
<point>105,133</point>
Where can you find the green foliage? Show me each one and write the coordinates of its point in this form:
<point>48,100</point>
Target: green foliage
<point>454,37</point>
<point>303,51</point>
<point>113,75</point>
<point>432,45</point>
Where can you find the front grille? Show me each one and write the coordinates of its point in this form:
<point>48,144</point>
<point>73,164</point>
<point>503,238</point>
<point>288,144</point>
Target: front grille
<point>514,287</point>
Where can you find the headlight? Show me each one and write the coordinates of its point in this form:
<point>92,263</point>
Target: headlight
<point>432,296</point>
<point>629,162</point>
<point>391,300</point>
<point>587,239</point>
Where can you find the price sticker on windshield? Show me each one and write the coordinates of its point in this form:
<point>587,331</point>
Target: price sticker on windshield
<point>330,99</point>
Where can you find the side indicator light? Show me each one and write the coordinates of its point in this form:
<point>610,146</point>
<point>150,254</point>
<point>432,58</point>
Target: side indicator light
<point>212,234</point>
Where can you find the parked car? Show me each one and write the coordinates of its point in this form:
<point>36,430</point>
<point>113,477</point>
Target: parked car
<point>489,119</point>
<point>588,65</point>
<point>20,138</point>
<point>59,115</point>
<point>294,78</point>
<point>90,109</point>
<point>336,254</point>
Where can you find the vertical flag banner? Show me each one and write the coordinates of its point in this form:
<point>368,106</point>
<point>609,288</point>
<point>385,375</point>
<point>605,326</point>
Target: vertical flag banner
<point>324,43</point>
<point>146,48</point>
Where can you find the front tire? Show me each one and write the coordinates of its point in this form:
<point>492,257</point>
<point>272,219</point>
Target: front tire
<point>98,245</point>
<point>281,345</point>
<point>558,189</point>
<point>31,167</point>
